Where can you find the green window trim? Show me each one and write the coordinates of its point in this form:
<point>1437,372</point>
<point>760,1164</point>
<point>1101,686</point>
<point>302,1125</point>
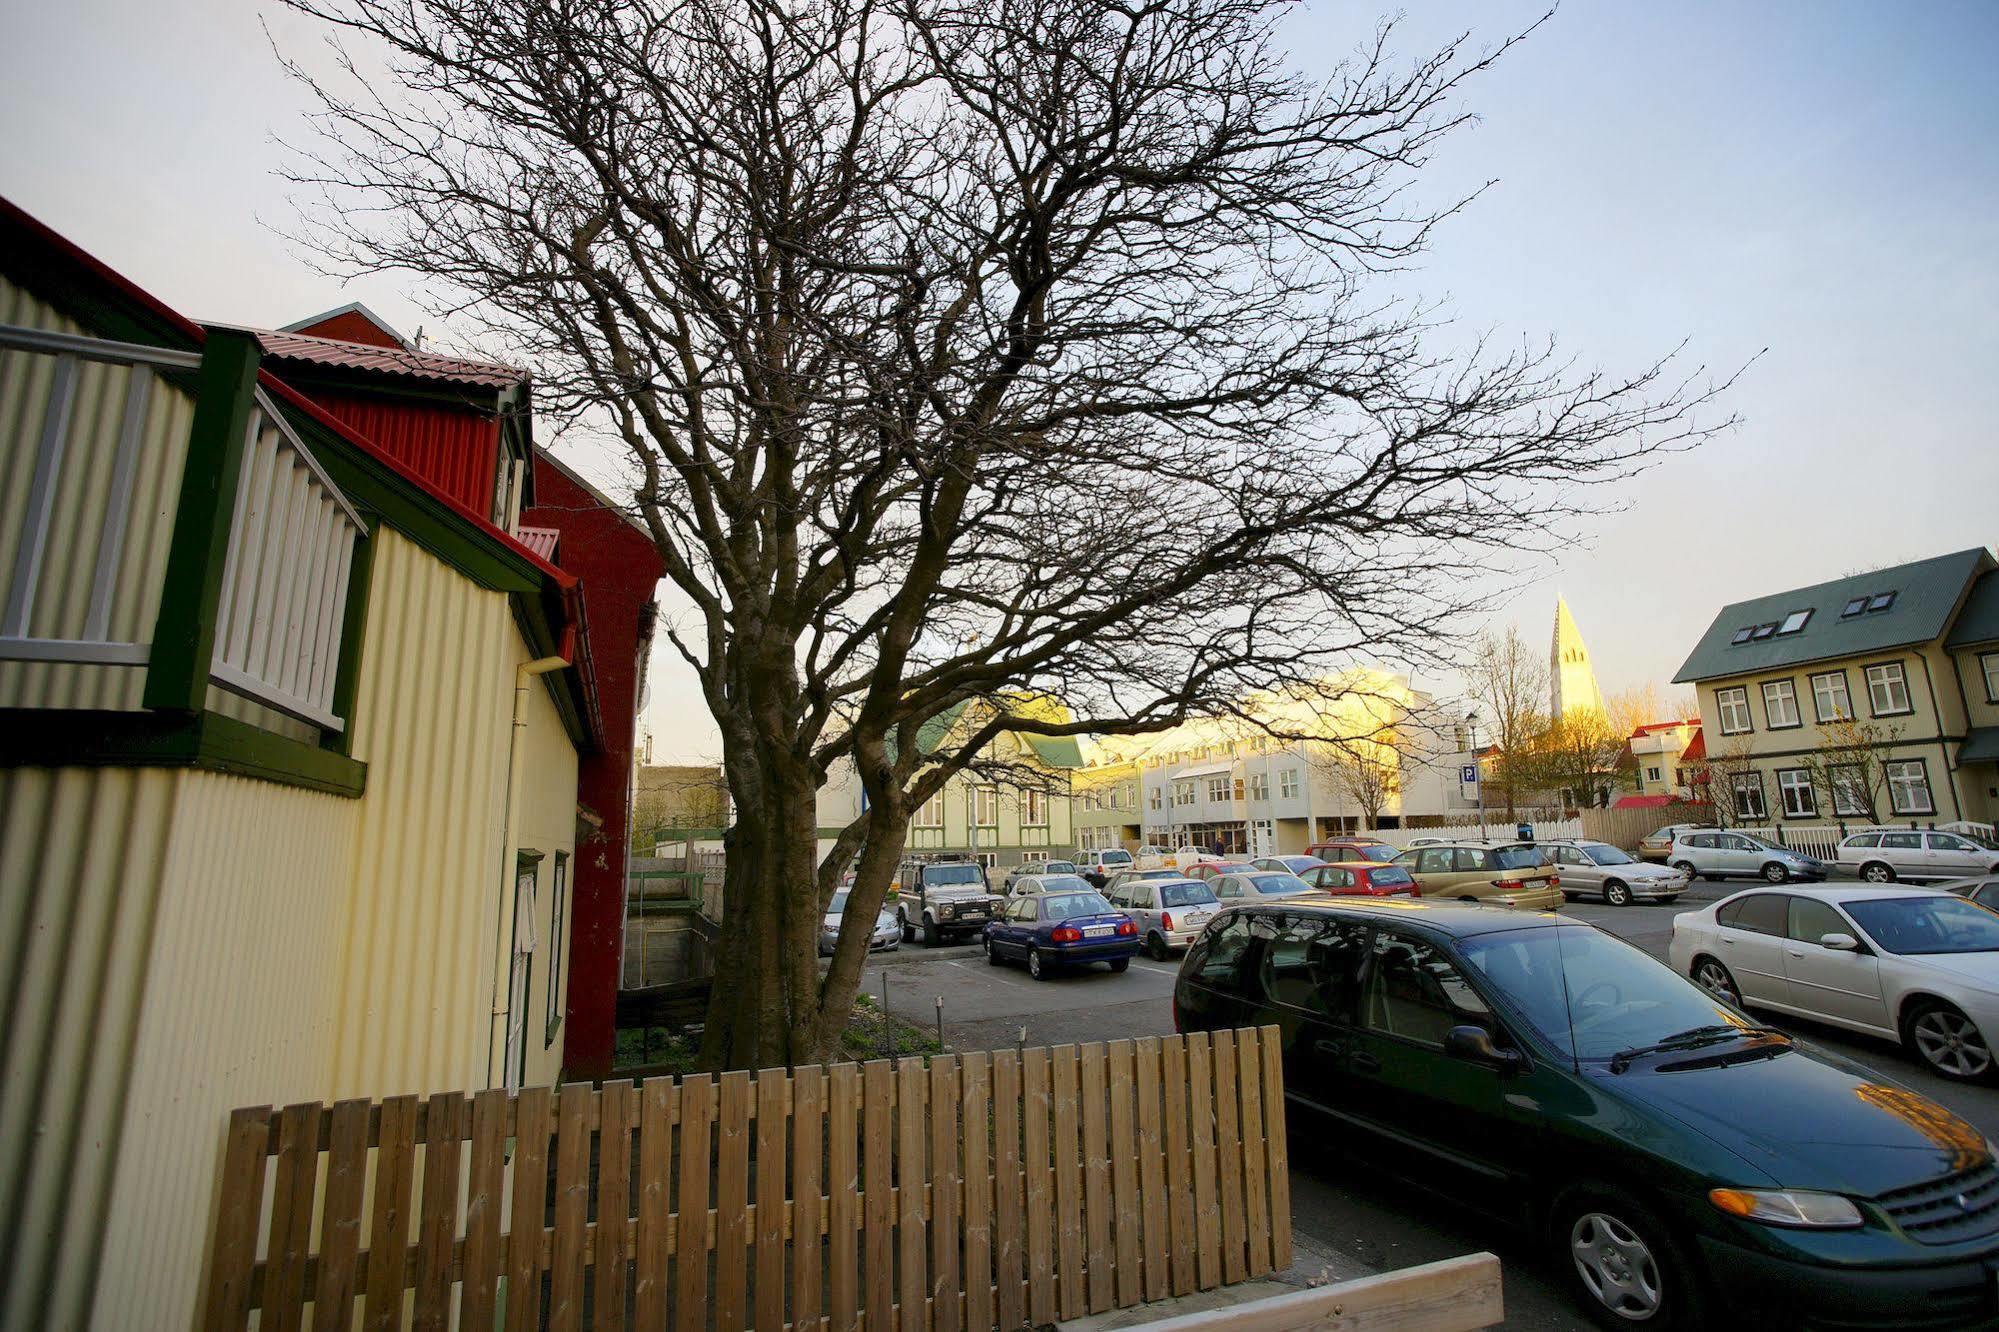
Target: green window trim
<point>70,737</point>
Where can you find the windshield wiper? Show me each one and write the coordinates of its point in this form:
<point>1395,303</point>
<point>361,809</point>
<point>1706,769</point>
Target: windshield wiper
<point>1690,1039</point>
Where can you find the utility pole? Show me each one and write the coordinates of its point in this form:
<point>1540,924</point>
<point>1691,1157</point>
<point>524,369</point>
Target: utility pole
<point>1477,768</point>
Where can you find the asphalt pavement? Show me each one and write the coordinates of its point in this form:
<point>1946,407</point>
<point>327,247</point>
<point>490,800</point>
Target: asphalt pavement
<point>1340,1205</point>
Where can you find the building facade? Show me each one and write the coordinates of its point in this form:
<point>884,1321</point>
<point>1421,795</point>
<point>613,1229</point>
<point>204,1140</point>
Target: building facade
<point>1871,696</point>
<point>1657,768</point>
<point>1109,795</point>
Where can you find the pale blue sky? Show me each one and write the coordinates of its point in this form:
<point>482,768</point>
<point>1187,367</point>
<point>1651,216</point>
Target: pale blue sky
<point>1821,180</point>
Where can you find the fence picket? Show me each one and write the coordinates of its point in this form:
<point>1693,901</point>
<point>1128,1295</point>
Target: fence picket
<point>1096,1177</point>
<point>1153,1205</point>
<point>1276,1150</point>
<point>437,1226</point>
<point>291,1217</point>
<point>773,1090</point>
<point>690,1271</point>
<point>1068,1151</point>
<point>843,1185</point>
<point>807,1128</point>
<point>1007,1217</point>
<point>572,1206</point>
<point>946,1217</point>
<point>658,1100</point>
<point>340,1217</point>
<point>732,1196</point>
<point>1180,1180</point>
<point>878,1221</point>
<point>1037,1069</point>
<point>911,1174</point>
<point>1255,1198</point>
<point>978,1191</point>
<point>236,1230</point>
<point>1207,1210</point>
<point>614,1182</point>
<point>485,1187</point>
<point>530,1206</point>
<point>1126,1228</point>
<point>1228,1156</point>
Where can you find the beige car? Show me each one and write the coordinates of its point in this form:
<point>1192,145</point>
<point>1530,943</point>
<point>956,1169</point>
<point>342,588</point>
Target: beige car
<point>1512,874</point>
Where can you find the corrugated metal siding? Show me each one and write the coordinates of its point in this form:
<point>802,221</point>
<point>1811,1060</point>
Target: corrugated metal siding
<point>454,448</point>
<point>545,821</point>
<point>79,510</point>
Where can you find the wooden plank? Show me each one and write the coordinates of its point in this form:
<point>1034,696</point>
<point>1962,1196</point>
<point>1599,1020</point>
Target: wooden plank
<point>340,1216</point>
<point>445,1118</point>
<point>1152,1202</point>
<point>843,1188</point>
<point>912,1311</point>
<point>616,1109</point>
<point>1007,1217</point>
<point>530,1206</point>
<point>878,1222</point>
<point>1038,1189</point>
<point>1128,1222</point>
<point>572,1205</point>
<point>1255,1165</point>
<point>1097,1252</point>
<point>1201,1117</point>
<point>690,1270</point>
<point>297,1177</point>
<point>658,1099</point>
<point>1228,1155</point>
<point>732,1200</point>
<point>479,1287</point>
<point>1455,1295</point>
<point>773,1092</point>
<point>1277,1150</point>
<point>1067,1150</point>
<point>977,1167</point>
<point>1180,1177</point>
<point>946,1208</point>
<point>389,1219</point>
<point>241,1209</point>
<point>808,1130</point>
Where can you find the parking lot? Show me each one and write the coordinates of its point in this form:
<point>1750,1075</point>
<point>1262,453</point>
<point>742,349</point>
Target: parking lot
<point>1341,1206</point>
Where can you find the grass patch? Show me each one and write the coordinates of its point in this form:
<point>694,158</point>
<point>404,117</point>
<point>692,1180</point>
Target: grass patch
<point>870,1034</point>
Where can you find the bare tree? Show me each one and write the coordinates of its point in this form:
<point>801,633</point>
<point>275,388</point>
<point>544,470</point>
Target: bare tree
<point>1849,768</point>
<point>967,350</point>
<point>1583,753</point>
<point>1508,682</point>
<point>1715,781</point>
<point>1367,772</point>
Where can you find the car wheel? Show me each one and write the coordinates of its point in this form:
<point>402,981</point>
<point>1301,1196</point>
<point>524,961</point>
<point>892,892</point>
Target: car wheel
<point>1035,967</point>
<point>1875,871</point>
<point>1686,867</point>
<point>1948,1041</point>
<point>1156,947</point>
<point>1120,965</point>
<point>1712,976</point>
<point>1775,872</point>
<point>1616,894</point>
<point>992,954</point>
<point>931,935</point>
<point>1625,1266</point>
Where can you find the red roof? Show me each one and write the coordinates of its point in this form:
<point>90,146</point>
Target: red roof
<point>1642,801</point>
<point>337,354</point>
<point>1696,749</point>
<point>1650,727</point>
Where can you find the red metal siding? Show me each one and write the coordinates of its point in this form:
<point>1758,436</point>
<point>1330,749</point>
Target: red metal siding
<point>619,571</point>
<point>351,326</point>
<point>453,448</point>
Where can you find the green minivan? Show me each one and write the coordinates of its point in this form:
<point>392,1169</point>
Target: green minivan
<point>1687,1167</point>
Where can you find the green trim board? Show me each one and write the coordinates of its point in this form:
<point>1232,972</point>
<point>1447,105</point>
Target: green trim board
<point>67,738</point>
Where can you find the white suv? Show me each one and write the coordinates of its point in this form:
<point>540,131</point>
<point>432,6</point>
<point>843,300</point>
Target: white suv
<point>1888,854</point>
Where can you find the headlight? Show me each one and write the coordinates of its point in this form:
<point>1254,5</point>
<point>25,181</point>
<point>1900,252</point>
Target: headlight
<point>1796,1208</point>
<point>946,910</point>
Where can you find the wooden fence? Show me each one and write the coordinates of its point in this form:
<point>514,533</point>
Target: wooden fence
<point>984,1190</point>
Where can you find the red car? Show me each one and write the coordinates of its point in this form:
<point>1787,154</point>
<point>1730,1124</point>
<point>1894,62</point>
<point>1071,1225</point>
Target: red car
<point>1342,849</point>
<point>1362,878</point>
<point>1208,869</point>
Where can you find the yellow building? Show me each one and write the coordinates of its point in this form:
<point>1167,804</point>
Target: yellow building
<point>289,788</point>
<point>1109,796</point>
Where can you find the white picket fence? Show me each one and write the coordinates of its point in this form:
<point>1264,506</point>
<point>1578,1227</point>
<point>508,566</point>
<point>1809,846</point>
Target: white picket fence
<point>1547,826</point>
<point>1823,839</point>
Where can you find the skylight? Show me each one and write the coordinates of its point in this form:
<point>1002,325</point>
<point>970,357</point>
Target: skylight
<point>1795,621</point>
<point>1742,634</point>
<point>1880,601</point>
<point>1764,630</point>
<point>1854,607</point>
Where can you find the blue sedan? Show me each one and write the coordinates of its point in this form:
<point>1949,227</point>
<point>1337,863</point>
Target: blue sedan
<point>1050,930</point>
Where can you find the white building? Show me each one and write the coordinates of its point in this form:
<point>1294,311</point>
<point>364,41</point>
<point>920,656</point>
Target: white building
<point>1571,679</point>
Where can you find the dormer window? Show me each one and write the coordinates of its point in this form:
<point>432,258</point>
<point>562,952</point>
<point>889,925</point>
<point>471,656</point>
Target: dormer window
<point>1880,601</point>
<point>1854,607</point>
<point>1794,622</point>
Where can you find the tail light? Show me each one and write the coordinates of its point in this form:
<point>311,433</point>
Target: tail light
<point>1554,880</point>
<point>1507,885</point>
<point>1066,934</point>
<point>1127,928</point>
<point>1166,921</point>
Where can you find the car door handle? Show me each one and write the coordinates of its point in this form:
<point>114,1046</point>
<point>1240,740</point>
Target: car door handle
<point>1333,1048</point>
<point>1366,1062</point>
<point>1794,952</point>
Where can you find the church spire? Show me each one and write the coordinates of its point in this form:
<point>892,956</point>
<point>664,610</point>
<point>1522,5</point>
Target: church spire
<point>1571,680</point>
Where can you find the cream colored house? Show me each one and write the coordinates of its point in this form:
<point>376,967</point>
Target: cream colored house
<point>1656,748</point>
<point>287,782</point>
<point>1903,660</point>
<point>1109,790</point>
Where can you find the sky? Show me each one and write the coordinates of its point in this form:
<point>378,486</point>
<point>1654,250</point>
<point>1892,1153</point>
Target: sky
<point>1814,182</point>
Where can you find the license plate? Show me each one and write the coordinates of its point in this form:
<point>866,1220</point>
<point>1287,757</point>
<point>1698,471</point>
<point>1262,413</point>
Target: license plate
<point>1098,931</point>
<point>1196,917</point>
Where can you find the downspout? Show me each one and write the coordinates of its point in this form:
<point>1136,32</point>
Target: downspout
<point>502,969</point>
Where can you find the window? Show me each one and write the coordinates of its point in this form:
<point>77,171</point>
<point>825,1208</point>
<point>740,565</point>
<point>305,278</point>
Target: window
<point>1287,783</point>
<point>1748,795</point>
<point>1466,860</point>
<point>1853,608</point>
<point>1218,789</point>
<point>1812,920</point>
<point>1034,809</point>
<point>1759,913</point>
<point>1733,705</point>
<point>1887,689</point>
<point>1849,790</point>
<point>1571,855</point>
<point>1909,787</point>
<point>1902,841</point>
<point>1988,662</point>
<point>1183,793</point>
<point>931,815</point>
<point>1238,788</point>
<point>1880,601</point>
<point>1415,993</point>
<point>987,806</point>
<point>1654,775</point>
<point>1434,860</point>
<point>1864,839</point>
<point>1945,842</point>
<point>1219,952</point>
<point>1780,705</point>
<point>1156,797</point>
<point>1763,631</point>
<point>1315,964</point>
<point>1259,786</point>
<point>1741,635</point>
<point>558,905</point>
<point>1794,622</point>
<point>1794,789</point>
<point>1829,698</point>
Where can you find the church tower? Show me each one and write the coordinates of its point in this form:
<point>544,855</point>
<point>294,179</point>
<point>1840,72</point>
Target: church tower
<point>1571,682</point>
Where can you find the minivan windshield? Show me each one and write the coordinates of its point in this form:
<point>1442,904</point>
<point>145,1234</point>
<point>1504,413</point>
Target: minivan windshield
<point>1608,855</point>
<point>1924,925</point>
<point>953,874</point>
<point>1590,994</point>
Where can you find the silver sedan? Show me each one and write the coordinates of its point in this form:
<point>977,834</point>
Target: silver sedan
<point>886,936</point>
<point>1598,869</point>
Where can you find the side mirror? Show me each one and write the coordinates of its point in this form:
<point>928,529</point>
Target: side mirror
<point>1474,1044</point>
<point>1844,943</point>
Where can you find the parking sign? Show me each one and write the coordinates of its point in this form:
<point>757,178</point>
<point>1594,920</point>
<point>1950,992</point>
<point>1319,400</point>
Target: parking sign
<point>1468,774</point>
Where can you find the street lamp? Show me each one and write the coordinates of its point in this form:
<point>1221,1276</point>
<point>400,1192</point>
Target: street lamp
<point>1477,768</point>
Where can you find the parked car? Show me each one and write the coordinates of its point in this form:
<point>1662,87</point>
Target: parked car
<point>1258,884</point>
<point>1040,867</point>
<point>1180,858</point>
<point>1429,841</point>
<point>1685,1167</point>
<point>1156,872</point>
<point>1914,965</point>
<point>1050,883</point>
<point>1985,892</point>
<point>1658,844</point>
<point>1209,869</point>
<point>886,936</point>
<point>946,899</point>
<point>1169,912</point>
<point>1361,878</point>
<point>1353,848</point>
<point>1885,855</point>
<point>1740,855</point>
<point>1289,864</point>
<point>1049,931</point>
<point>1098,866</point>
<point>1510,874</point>
<point>1598,869</point>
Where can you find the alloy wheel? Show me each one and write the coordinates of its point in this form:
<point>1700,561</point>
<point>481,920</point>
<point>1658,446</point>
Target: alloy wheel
<point>1616,894</point>
<point>1775,873</point>
<point>1034,964</point>
<point>1949,1042</point>
<point>1713,977</point>
<point>1616,1265</point>
<point>1876,872</point>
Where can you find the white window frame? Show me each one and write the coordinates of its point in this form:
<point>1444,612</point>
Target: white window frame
<point>558,908</point>
<point>1988,666</point>
<point>1748,784</point>
<point>1796,795</point>
<point>930,814</point>
<point>1897,772</point>
<point>1183,792</point>
<point>1259,786</point>
<point>1655,774</point>
<point>1287,783</point>
<point>1734,702</point>
<point>1218,789</point>
<point>985,806</point>
<point>1842,710</point>
<point>1785,693</point>
<point>1893,676</point>
<point>1849,790</point>
<point>1158,800</point>
<point>1034,810</point>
